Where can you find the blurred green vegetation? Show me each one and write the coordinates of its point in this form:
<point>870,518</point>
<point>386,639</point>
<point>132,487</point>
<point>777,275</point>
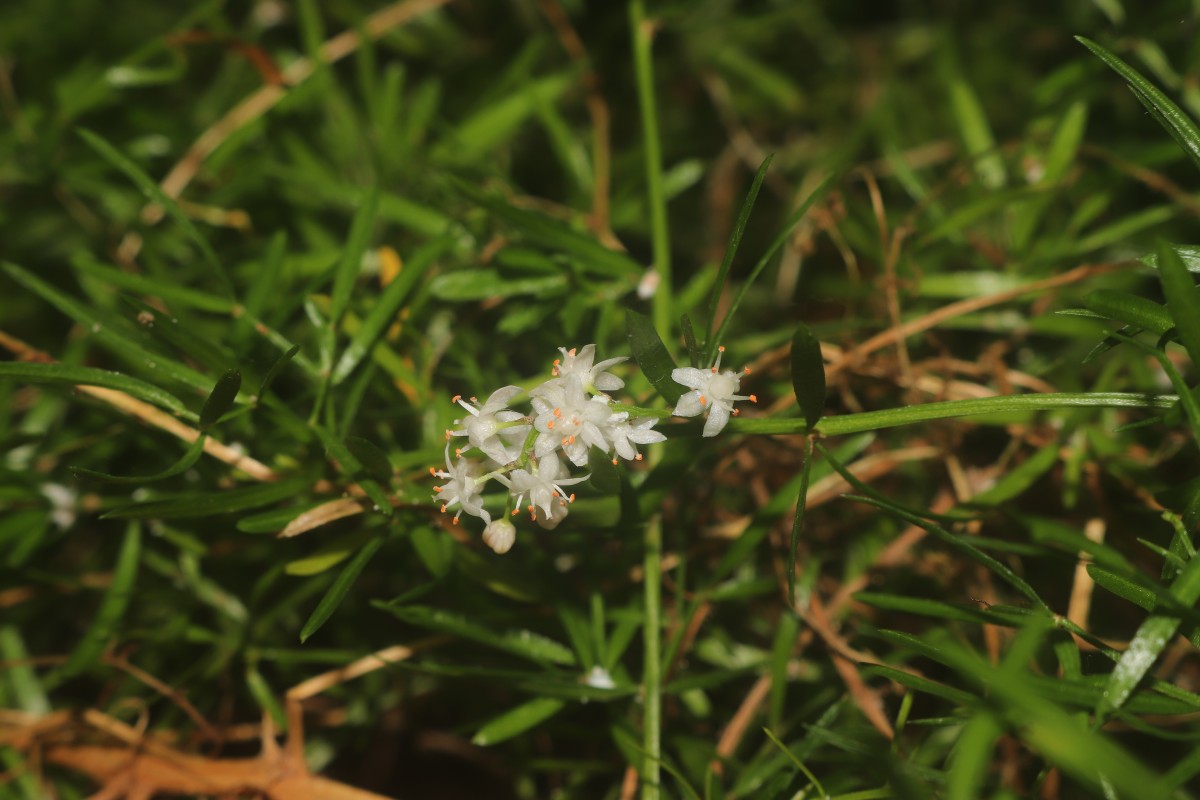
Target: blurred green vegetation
<point>465,191</point>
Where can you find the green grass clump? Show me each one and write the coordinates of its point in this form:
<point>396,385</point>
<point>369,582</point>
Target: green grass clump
<point>249,253</point>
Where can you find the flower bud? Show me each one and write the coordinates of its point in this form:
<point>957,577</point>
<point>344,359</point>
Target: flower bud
<point>500,535</point>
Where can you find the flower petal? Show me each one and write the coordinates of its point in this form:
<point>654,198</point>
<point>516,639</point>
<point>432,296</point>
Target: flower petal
<point>690,377</point>
<point>718,417</point>
<point>689,405</point>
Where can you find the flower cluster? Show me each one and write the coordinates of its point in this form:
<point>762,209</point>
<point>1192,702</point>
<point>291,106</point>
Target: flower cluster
<point>572,416</point>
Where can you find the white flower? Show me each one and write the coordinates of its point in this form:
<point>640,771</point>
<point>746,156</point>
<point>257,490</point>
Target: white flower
<point>592,376</point>
<point>543,487</point>
<point>63,503</point>
<point>711,389</point>
<point>464,484</point>
<point>500,535</point>
<point>623,435</point>
<point>491,423</point>
<point>566,418</point>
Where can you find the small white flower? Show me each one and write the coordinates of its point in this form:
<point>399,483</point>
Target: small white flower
<point>592,376</point>
<point>711,389</point>
<point>598,678</point>
<point>500,535</point>
<point>623,435</point>
<point>63,503</point>
<point>543,486</point>
<point>463,487</point>
<point>491,423</point>
<point>567,418</point>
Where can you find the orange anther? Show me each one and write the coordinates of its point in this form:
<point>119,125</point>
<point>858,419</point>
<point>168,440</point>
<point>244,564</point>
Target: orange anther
<point>753,398</point>
<point>557,361</point>
<point>721,349</point>
<point>714,370</point>
<point>737,411</point>
<point>443,509</point>
<point>456,398</point>
<point>515,511</point>
<point>454,521</point>
<point>572,497</point>
<point>572,438</point>
<point>614,462</point>
<point>458,452</point>
<point>702,400</point>
<point>558,413</point>
<point>746,370</point>
<point>550,424</point>
<point>438,489</point>
<point>433,472</point>
<point>638,457</point>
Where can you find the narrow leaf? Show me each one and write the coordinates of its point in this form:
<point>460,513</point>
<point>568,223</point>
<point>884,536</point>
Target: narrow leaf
<point>1130,309</point>
<point>112,607</point>
<point>186,462</point>
<point>374,460</point>
<point>1176,122</point>
<point>521,643</point>
<point>518,720</point>
<point>337,592</point>
<point>210,504</point>
<point>652,355</point>
<point>90,376</point>
<point>150,188</point>
<point>352,255</point>
<point>272,371</point>
<point>735,239</point>
<point>808,375</point>
<point>798,520</point>
<point>221,398</point>
<point>1179,287</point>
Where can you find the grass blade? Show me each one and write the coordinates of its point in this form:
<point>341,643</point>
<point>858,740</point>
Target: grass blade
<point>90,376</point>
<point>1176,122</point>
<point>351,262</point>
<point>186,462</point>
<point>735,239</point>
<point>775,247</point>
<point>1179,287</point>
<point>798,520</point>
<point>150,188</point>
<point>112,607</point>
<point>525,644</point>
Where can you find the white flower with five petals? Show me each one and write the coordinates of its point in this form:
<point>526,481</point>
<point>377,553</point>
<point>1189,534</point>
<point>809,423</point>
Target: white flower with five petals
<point>492,423</point>
<point>711,389</point>
<point>592,376</point>
<point>543,486</point>
<point>567,418</point>
<point>623,435</point>
<point>463,486</point>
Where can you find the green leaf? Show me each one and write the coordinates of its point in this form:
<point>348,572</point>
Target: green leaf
<point>90,376</point>
<point>798,520</point>
<point>337,592</point>
<point>557,236</point>
<point>265,697</point>
<point>523,643</point>
<point>272,371</point>
<point>386,308</point>
<point>328,555</point>
<point>186,462</point>
<point>352,467</point>
<point>1176,122</point>
<point>374,460</point>
<point>352,254</point>
<point>108,335</point>
<point>112,607</point>
<point>961,545</point>
<point>150,188</point>
<point>908,415</point>
<point>212,503</point>
<point>221,398</point>
<point>1152,637</point>
<point>977,134</point>
<point>1189,254</point>
<point>652,355</point>
<point>1130,309</point>
<point>142,284</point>
<point>735,239</point>
<point>517,720</point>
<point>808,375</point>
<point>972,757</point>
<point>484,284</point>
<point>1179,287</point>
<point>1019,478</point>
<point>780,240</point>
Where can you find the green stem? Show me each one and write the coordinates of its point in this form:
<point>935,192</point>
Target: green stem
<point>643,34</point>
<point>652,669</point>
<point>907,415</point>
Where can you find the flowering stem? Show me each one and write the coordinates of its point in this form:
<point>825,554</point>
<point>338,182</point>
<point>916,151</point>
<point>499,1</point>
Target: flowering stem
<point>652,666</point>
<point>643,34</point>
<point>907,415</point>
